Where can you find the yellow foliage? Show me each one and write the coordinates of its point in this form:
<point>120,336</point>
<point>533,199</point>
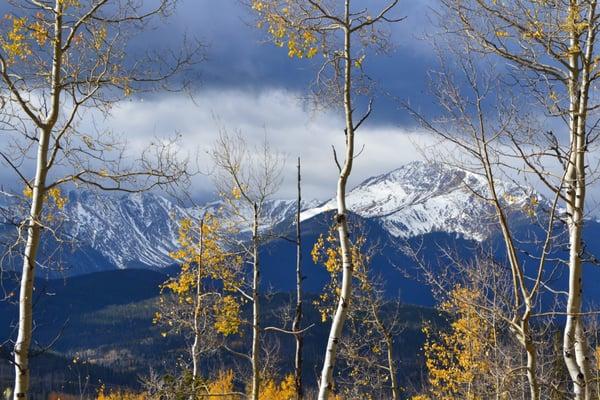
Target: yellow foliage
<point>236,193</point>
<point>123,83</point>
<point>53,194</point>
<point>202,256</point>
<point>28,192</point>
<point>456,359</point>
<point>53,199</point>
<point>535,34</point>
<point>573,22</point>
<point>39,32</point>
<point>15,43</point>
<point>119,395</point>
<point>327,251</point>
<point>222,384</point>
<point>228,315</point>
<point>285,390</point>
<point>276,16</point>
<point>359,61</point>
<point>59,200</point>
<point>69,3</point>
<point>99,37</point>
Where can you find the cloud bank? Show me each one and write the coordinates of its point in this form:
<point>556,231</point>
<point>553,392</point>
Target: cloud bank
<point>280,115</point>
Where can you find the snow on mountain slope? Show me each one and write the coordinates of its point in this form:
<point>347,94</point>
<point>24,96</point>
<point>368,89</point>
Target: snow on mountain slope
<point>421,197</point>
<point>131,229</point>
<point>137,230</point>
<point>140,228</point>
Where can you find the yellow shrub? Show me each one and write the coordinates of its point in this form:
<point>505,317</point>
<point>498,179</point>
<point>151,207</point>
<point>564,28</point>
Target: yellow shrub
<point>285,390</point>
<point>222,384</point>
<point>119,395</point>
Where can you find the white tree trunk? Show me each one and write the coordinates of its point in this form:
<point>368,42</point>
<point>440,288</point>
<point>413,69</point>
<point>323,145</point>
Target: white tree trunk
<point>23,343</point>
<point>573,348</point>
<point>196,344</point>
<point>255,310</point>
<point>392,367</point>
<point>337,324</point>
<point>575,345</point>
<point>521,294</point>
<point>530,350</point>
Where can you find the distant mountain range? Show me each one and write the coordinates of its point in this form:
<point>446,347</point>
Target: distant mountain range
<point>432,203</point>
<point>139,230</point>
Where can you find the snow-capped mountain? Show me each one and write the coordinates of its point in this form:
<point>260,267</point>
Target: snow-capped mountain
<point>140,230</point>
<point>132,229</point>
<point>422,197</point>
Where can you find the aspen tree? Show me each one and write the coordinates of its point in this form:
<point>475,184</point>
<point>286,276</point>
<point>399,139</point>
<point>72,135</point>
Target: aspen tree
<point>246,179</point>
<point>200,310</point>
<point>552,45</point>
<point>478,133</point>
<point>342,35</point>
<point>60,59</point>
<point>367,349</point>
<point>458,361</point>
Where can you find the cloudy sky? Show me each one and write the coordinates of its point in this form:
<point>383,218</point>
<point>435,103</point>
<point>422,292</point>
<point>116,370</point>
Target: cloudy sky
<point>250,85</point>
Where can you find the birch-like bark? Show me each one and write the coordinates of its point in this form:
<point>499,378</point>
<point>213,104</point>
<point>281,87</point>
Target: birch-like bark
<point>575,345</point>
<point>23,343</point>
<point>534,387</point>
<point>56,141</point>
<point>296,326</point>
<point>197,308</point>
<point>326,383</point>
<point>389,342</point>
<point>561,56</point>
<point>251,180</point>
<point>255,308</point>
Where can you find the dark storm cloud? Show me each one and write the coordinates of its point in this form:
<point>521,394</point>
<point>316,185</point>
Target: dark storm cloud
<point>251,85</point>
<point>238,55</point>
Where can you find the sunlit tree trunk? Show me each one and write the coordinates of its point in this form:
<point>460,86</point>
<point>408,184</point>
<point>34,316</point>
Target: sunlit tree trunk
<point>255,309</point>
<point>389,342</point>
<point>522,295</point>
<point>65,52</point>
<point>23,343</point>
<point>326,384</point>
<point>575,344</point>
<point>197,308</point>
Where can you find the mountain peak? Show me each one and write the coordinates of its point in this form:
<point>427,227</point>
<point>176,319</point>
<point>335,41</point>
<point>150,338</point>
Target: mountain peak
<point>423,197</point>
